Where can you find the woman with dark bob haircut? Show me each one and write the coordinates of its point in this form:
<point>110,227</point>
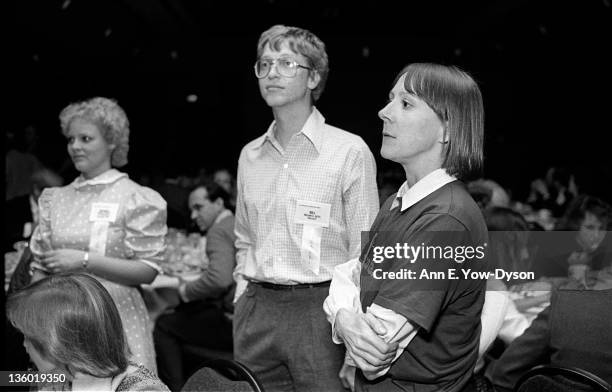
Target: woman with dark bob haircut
<point>404,333</point>
<point>71,325</point>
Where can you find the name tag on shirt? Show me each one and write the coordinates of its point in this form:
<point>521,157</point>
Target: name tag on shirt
<point>104,212</point>
<point>312,213</point>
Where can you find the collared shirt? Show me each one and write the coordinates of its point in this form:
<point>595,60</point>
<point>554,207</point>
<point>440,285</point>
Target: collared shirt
<point>108,177</point>
<point>427,185</point>
<point>221,253</point>
<point>344,290</point>
<point>321,164</point>
<point>222,215</point>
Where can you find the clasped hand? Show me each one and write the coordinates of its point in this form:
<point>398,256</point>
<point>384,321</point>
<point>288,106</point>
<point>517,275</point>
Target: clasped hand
<point>62,260</point>
<point>362,334</point>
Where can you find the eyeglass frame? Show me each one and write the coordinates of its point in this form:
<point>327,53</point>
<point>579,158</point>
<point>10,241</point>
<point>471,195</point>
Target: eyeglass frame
<point>274,63</point>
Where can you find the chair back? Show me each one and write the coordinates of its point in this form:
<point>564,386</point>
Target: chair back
<point>547,378</point>
<point>223,375</point>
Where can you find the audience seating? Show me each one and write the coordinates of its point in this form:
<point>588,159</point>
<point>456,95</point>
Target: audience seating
<point>223,375</point>
<point>546,378</point>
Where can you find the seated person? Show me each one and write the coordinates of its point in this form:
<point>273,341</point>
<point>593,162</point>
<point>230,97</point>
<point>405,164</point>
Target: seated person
<point>488,193</point>
<point>227,181</point>
<point>71,325</point>
<point>22,212</point>
<point>574,331</point>
<point>203,317</point>
<point>41,179</point>
<point>508,250</point>
<point>554,192</point>
<point>580,240</point>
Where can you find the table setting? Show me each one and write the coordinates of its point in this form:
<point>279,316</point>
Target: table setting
<point>184,260</point>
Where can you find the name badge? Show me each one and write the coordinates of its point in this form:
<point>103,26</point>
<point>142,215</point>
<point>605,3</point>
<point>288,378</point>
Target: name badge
<point>103,212</point>
<point>312,213</point>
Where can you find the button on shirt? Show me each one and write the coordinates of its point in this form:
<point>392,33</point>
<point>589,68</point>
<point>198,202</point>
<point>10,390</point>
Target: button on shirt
<point>321,164</point>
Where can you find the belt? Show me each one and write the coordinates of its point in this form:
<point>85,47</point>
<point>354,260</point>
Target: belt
<point>273,286</point>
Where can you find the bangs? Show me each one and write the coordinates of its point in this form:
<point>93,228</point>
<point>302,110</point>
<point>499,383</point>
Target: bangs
<point>294,44</point>
<point>455,97</point>
<point>429,84</point>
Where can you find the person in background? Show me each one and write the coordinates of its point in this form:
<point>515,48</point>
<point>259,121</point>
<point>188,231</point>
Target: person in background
<point>226,180</point>
<point>21,164</point>
<point>488,193</point>
<point>574,331</point>
<point>585,247</point>
<point>71,325</point>
<point>554,192</point>
<point>103,223</point>
<point>20,277</point>
<point>418,334</point>
<point>306,190</point>
<point>204,312</point>
<point>507,249</point>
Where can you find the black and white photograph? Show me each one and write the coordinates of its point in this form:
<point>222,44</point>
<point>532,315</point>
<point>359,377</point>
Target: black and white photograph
<point>290,195</point>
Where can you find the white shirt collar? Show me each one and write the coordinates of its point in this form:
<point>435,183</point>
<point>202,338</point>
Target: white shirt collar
<point>312,129</point>
<point>222,215</point>
<point>423,188</point>
<point>108,177</point>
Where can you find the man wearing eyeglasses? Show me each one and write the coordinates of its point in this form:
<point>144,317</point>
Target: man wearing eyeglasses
<point>306,190</point>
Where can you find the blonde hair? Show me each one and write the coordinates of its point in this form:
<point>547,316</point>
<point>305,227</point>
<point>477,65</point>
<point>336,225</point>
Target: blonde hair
<point>110,119</point>
<point>300,41</point>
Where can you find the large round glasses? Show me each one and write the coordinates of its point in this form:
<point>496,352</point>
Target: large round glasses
<point>284,66</point>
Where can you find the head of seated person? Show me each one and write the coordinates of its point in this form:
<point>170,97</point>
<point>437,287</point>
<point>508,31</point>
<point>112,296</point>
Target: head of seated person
<point>488,193</point>
<point>508,239</point>
<point>225,179</point>
<point>206,202</point>
<point>70,324</point>
<point>590,217</point>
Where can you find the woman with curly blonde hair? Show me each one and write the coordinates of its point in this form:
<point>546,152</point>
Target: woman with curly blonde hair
<point>103,223</point>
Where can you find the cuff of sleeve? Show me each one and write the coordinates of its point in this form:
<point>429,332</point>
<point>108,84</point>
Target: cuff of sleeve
<point>335,338</point>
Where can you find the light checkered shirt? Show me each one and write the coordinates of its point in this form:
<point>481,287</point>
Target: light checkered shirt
<point>321,163</point>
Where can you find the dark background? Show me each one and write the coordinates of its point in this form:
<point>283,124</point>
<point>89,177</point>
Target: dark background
<point>543,67</point>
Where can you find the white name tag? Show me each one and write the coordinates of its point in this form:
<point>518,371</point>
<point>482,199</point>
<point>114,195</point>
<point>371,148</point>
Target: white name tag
<point>103,212</point>
<point>312,213</point>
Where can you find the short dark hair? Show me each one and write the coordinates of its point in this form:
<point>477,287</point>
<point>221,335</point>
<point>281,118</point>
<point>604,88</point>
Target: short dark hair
<point>456,99</point>
<point>214,192</point>
<point>512,233</point>
<point>72,321</point>
<point>578,208</point>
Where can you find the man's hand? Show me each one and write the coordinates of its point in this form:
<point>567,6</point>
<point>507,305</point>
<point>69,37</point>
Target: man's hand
<point>361,336</point>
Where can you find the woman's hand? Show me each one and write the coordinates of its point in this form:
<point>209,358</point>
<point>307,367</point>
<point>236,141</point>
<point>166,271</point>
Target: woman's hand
<point>361,336</point>
<point>63,260</point>
<point>347,376</point>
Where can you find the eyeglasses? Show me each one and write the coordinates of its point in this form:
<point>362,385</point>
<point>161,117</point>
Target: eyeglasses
<point>284,66</point>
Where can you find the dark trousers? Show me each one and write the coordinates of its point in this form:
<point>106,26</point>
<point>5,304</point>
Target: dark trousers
<point>197,323</point>
<point>284,337</point>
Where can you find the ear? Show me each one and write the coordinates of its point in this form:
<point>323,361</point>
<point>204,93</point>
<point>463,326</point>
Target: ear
<point>219,202</point>
<point>444,139</point>
<point>313,79</point>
